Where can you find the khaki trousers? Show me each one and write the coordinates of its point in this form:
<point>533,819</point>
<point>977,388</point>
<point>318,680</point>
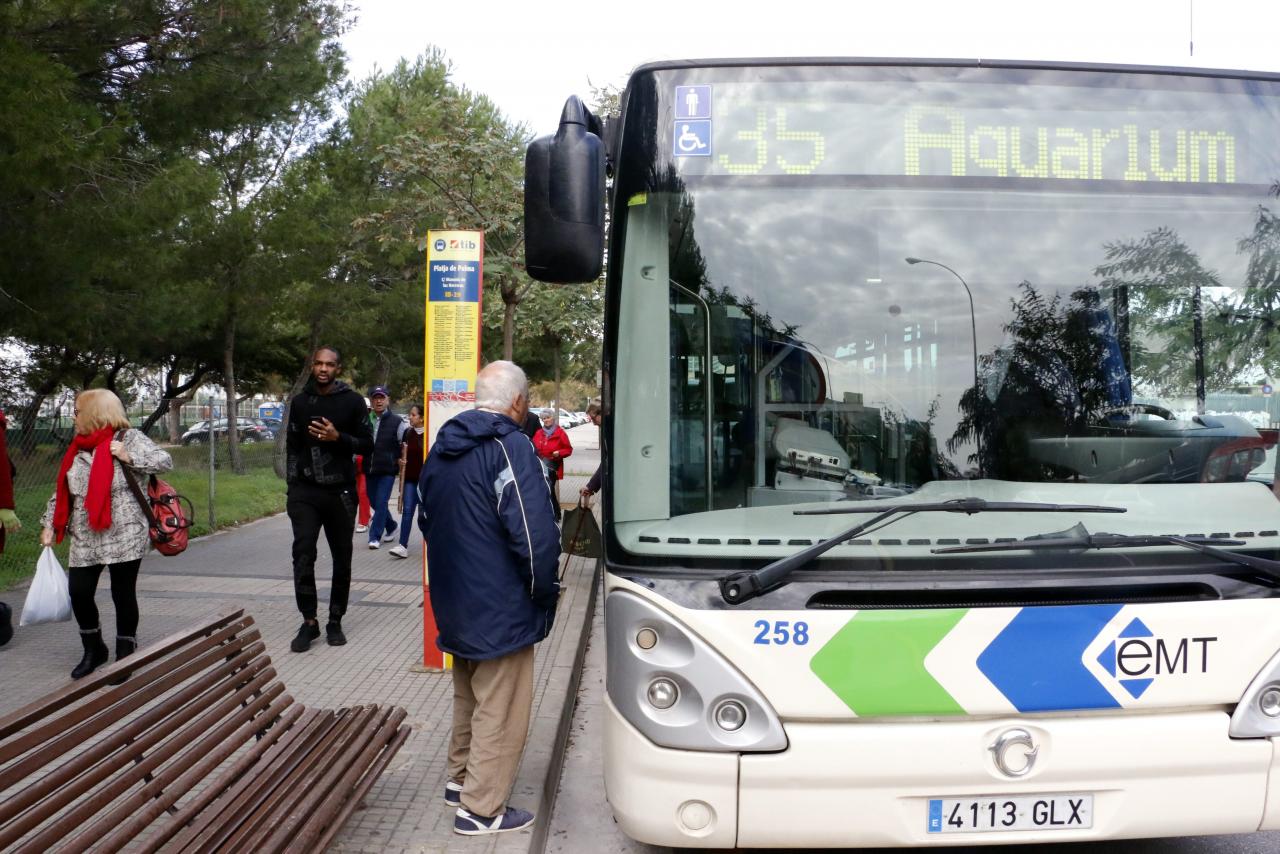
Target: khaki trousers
<point>492,702</point>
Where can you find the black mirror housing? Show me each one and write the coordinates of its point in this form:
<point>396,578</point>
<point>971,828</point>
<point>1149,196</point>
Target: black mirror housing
<point>564,198</point>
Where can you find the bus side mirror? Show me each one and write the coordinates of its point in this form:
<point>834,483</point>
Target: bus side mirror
<point>564,201</point>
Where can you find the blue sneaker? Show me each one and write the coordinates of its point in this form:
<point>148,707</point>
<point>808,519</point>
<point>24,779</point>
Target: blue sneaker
<point>452,793</point>
<point>469,824</point>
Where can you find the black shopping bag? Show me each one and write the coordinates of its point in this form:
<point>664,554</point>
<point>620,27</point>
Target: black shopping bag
<point>580,533</point>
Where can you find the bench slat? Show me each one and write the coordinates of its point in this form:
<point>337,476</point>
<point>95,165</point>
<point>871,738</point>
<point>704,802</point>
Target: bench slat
<point>152,723</point>
<point>194,819</point>
<point>168,760</point>
<point>334,791</point>
<point>308,766</point>
<point>239,818</point>
<point>45,706</point>
<point>51,748</point>
<point>133,816</point>
<point>137,738</point>
<point>361,726</point>
<point>361,790</point>
<point>226,715</point>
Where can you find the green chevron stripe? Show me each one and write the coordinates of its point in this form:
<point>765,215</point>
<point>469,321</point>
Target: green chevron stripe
<point>875,664</point>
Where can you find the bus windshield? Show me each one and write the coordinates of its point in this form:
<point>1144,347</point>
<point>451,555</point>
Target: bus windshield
<point>852,283</point>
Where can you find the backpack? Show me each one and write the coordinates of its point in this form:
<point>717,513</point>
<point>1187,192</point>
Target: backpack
<point>168,513</point>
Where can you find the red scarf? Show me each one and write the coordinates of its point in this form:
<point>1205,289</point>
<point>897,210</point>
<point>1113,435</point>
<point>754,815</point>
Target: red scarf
<point>97,503</point>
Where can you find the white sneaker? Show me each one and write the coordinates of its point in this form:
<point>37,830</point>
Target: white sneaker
<point>398,551</point>
<point>360,529</point>
<point>374,544</point>
<point>388,536</point>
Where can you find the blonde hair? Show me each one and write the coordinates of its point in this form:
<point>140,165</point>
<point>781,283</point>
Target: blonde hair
<point>98,408</point>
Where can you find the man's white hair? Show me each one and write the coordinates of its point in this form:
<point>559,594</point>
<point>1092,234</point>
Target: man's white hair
<point>499,384</point>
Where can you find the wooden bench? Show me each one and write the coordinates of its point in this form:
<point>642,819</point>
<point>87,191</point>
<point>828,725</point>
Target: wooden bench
<point>201,749</point>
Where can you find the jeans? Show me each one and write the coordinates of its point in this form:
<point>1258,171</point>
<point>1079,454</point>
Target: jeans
<point>410,513</point>
<point>310,509</point>
<point>380,486</point>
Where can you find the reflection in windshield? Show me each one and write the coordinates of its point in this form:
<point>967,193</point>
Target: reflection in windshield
<point>819,341</point>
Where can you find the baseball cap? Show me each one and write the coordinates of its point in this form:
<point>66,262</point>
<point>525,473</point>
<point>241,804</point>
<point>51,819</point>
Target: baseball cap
<point>379,390</point>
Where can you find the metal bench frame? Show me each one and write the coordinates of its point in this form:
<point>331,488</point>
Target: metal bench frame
<point>200,750</point>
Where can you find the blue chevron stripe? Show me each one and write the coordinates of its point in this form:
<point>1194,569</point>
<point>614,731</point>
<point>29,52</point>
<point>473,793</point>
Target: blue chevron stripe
<point>1037,661</point>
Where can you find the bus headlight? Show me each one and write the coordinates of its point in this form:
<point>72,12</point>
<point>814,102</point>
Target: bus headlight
<point>663,693</point>
<point>731,715</point>
<point>676,689</point>
<point>1269,702</point>
<point>1257,715</point>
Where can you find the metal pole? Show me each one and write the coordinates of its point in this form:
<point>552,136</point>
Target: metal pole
<point>213,521</point>
<point>973,328</point>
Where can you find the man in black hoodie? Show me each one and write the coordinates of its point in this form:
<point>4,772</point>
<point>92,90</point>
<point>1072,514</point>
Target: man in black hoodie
<point>328,425</point>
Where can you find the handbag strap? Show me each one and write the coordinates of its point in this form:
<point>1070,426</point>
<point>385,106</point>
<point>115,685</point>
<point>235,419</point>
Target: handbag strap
<point>136,489</point>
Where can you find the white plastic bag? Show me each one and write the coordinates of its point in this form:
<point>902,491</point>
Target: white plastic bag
<point>48,600</point>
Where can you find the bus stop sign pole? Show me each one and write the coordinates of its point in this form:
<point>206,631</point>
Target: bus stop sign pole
<point>455,262</point>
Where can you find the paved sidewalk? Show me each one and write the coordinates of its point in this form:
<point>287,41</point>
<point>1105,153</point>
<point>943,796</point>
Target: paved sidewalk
<point>250,567</point>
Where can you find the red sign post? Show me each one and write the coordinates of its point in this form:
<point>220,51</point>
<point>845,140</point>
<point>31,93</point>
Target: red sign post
<point>455,278</point>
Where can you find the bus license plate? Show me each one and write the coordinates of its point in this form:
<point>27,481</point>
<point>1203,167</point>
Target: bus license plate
<point>1001,812</point>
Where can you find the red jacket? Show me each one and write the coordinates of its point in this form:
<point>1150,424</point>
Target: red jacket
<point>6,477</point>
<point>545,445</point>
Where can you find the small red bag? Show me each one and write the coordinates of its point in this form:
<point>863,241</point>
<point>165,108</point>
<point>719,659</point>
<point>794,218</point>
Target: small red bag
<point>168,513</point>
<point>170,517</point>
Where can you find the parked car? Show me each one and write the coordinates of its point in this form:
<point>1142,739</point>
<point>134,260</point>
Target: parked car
<point>248,430</point>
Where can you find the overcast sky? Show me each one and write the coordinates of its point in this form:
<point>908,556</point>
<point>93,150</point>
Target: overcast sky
<point>529,56</point>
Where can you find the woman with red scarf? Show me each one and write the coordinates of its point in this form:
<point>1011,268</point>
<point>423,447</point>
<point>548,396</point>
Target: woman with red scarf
<point>92,502</point>
<point>552,445</point>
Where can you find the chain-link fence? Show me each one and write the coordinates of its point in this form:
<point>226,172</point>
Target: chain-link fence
<point>219,496</point>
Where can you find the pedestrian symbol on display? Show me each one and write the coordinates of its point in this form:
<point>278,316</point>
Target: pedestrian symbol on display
<point>693,139</point>
<point>693,102</point>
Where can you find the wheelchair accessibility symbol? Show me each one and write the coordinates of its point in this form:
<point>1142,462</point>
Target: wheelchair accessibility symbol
<point>692,138</point>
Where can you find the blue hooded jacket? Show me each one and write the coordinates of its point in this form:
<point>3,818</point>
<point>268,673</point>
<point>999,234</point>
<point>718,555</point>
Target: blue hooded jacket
<point>492,541</point>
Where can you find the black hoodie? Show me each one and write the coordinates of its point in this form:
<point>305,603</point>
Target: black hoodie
<point>327,464</point>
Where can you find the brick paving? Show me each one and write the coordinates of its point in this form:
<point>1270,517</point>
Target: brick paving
<point>249,567</point>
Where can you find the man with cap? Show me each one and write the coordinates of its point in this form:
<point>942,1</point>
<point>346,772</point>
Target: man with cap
<point>383,465</point>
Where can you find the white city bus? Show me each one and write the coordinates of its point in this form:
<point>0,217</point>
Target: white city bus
<point>939,447</point>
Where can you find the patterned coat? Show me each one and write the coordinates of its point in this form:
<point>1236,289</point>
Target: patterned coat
<point>127,538</point>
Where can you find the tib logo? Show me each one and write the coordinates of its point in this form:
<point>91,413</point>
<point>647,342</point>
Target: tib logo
<point>1136,657</point>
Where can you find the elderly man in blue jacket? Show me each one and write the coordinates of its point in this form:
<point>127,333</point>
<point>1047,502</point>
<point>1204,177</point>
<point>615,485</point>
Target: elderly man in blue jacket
<point>492,552</point>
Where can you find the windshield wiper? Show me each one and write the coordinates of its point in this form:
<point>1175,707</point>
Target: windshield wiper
<point>1082,539</point>
<point>740,587</point>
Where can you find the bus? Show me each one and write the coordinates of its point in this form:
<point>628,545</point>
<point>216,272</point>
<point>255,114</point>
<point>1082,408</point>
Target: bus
<point>938,447</point>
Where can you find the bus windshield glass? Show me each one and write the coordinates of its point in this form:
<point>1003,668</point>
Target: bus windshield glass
<point>850,283</point>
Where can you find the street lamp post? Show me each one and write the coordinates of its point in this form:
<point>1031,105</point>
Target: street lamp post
<point>973,329</point>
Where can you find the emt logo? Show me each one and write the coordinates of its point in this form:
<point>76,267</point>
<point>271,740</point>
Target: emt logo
<point>1136,657</point>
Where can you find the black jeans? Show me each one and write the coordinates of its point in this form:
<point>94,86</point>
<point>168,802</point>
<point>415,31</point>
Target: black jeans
<point>311,508</point>
<point>82,581</point>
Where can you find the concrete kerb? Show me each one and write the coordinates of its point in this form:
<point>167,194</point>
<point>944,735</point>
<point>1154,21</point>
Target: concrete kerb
<point>551,784</point>
<point>549,734</point>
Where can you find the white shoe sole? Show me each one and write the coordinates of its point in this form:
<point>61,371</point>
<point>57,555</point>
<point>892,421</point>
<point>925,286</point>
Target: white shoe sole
<point>374,546</point>
<point>486,831</point>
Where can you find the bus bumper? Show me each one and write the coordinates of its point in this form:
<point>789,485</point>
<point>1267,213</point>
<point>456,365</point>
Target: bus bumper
<point>681,798</point>
<point>869,784</point>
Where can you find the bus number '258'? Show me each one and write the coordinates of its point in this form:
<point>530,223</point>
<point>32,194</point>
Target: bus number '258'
<point>782,633</point>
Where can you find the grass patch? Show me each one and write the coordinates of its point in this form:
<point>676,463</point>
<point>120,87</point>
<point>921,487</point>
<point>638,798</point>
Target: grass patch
<point>237,499</point>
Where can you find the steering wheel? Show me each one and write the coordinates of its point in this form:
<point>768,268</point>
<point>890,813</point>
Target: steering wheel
<point>1139,409</point>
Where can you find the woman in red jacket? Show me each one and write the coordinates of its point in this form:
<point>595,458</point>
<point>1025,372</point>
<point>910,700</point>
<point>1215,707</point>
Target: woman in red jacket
<point>552,445</point>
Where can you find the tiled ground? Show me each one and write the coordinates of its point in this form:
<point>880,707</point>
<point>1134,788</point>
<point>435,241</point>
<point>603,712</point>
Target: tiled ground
<point>250,568</point>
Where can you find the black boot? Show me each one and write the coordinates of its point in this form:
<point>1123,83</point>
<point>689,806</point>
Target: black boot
<point>124,648</point>
<point>95,653</point>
